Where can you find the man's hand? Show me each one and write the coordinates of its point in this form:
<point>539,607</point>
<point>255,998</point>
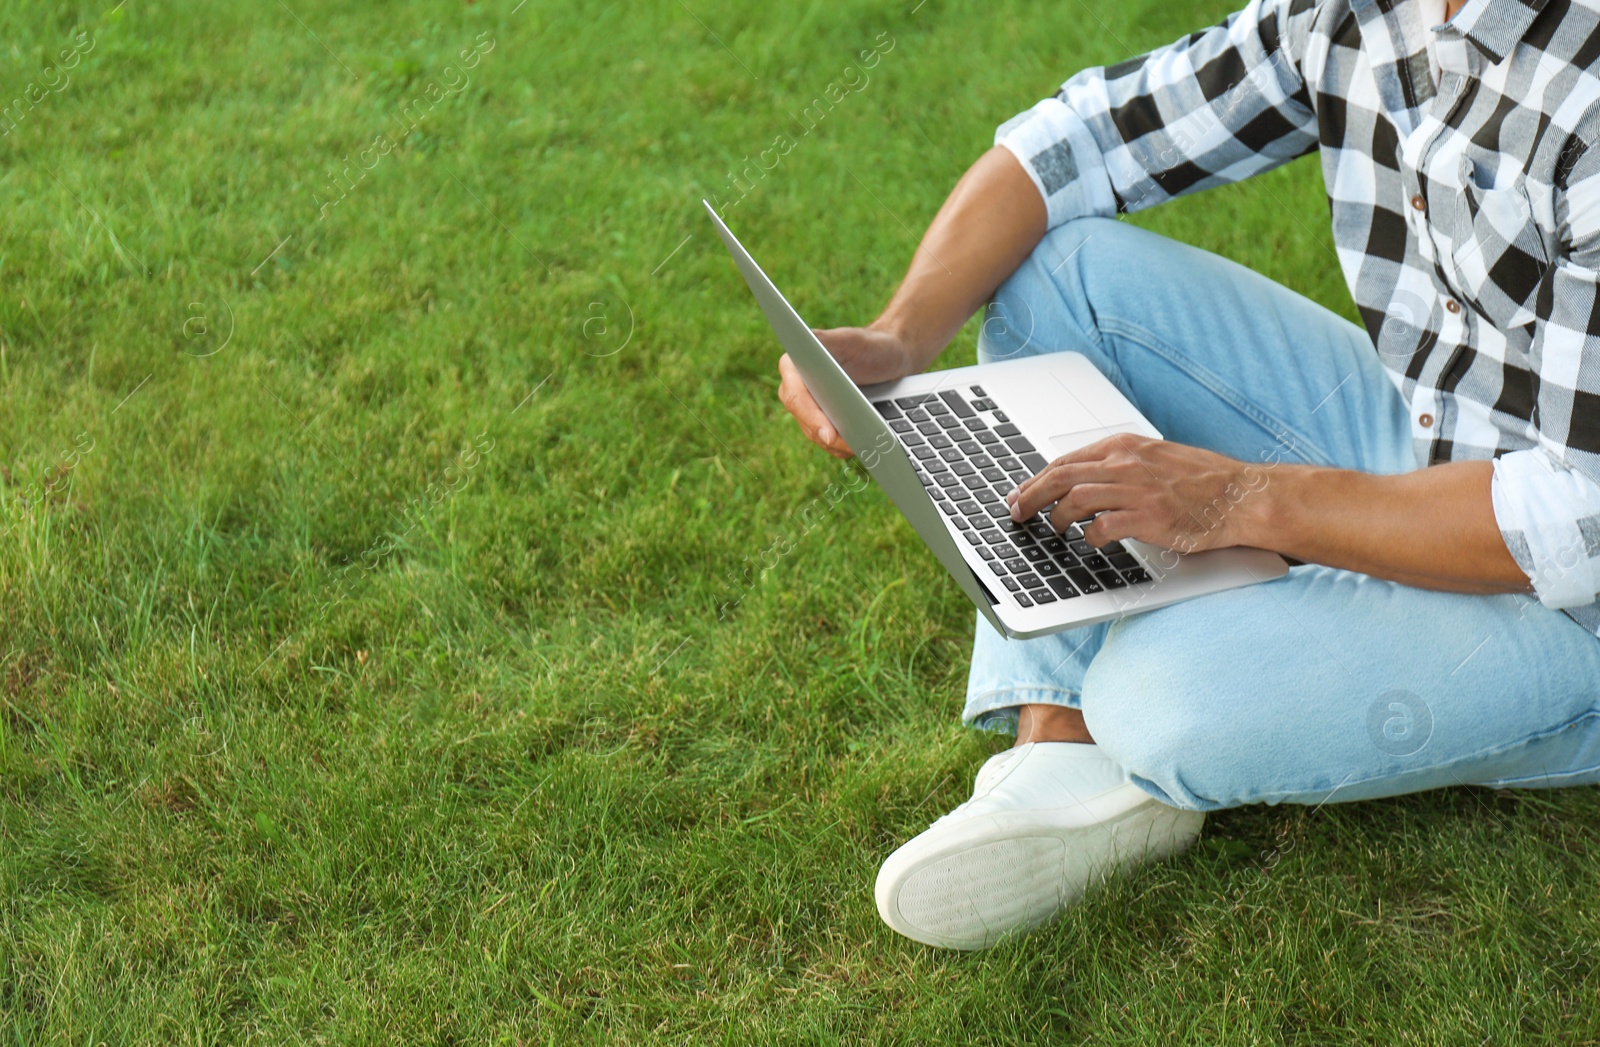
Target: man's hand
<point>1167,494</point>
<point>867,356</point>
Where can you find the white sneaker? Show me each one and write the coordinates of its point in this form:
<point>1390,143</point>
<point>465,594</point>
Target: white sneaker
<point>1046,820</point>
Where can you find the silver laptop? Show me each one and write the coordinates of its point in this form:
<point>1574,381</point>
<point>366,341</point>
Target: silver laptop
<point>946,446</point>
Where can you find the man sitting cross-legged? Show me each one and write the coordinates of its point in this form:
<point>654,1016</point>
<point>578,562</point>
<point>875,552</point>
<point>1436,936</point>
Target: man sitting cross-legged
<point>1430,471</point>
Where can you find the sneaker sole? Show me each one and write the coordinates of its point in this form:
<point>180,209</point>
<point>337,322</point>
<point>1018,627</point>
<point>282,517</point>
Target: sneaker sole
<point>1006,874</point>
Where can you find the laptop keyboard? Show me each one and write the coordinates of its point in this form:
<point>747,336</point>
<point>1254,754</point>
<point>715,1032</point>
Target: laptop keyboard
<point>969,456</point>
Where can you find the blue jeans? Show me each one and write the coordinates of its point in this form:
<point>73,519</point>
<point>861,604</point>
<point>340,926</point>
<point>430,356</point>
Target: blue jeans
<point>1322,685</point>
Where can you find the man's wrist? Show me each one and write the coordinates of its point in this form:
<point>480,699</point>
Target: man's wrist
<point>908,340</point>
<point>1270,516</point>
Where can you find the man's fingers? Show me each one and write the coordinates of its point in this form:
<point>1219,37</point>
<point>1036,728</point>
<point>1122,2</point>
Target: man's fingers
<point>1052,485</point>
<point>1111,527</point>
<point>1086,500</point>
<point>797,400</point>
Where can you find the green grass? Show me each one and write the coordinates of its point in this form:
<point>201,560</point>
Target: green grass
<point>353,691</point>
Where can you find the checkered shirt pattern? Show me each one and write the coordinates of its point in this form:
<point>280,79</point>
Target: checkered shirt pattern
<point>1466,215</point>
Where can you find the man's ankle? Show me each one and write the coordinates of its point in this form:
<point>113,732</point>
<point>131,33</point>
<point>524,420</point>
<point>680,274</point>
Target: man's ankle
<point>1051,723</point>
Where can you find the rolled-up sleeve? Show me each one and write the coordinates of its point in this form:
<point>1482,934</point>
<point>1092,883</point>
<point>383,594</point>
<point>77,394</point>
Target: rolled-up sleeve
<point>1549,516</point>
<point>1547,498</point>
<point>1216,107</point>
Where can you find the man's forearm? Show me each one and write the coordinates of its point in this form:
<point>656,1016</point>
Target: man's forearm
<point>990,223</point>
<point>1433,528</point>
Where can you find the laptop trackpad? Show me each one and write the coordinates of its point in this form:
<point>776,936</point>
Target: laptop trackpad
<point>1068,442</point>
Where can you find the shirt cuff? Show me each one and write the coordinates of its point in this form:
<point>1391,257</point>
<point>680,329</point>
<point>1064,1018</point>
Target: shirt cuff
<point>1056,148</point>
<point>1549,516</point>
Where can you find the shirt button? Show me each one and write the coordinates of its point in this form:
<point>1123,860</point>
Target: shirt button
<point>1425,420</point>
<point>1419,203</point>
<point>1451,305</point>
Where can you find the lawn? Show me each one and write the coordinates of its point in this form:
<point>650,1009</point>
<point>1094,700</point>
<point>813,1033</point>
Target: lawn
<point>410,627</point>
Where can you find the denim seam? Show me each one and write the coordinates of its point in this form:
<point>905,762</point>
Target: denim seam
<point>1140,336</point>
<point>997,692</point>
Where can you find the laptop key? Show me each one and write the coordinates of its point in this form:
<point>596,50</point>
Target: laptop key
<point>948,480</point>
<point>1042,596</point>
<point>900,425</point>
<point>958,405</point>
<point>1004,430</point>
<point>987,554</point>
<point>1022,598</point>
<point>950,454</point>
<point>977,390</point>
<point>1009,464</point>
<point>1019,444</point>
<point>971,538</point>
<point>1123,561</point>
<point>977,425</point>
<point>1054,545</point>
<point>975,483</point>
<point>940,440</point>
<point>923,453</point>
<point>1029,581</point>
<point>1040,528</point>
<point>988,438</point>
<point>1084,580</point>
<point>991,474</point>
<point>982,461</point>
<point>913,401</point>
<point>1033,554</point>
<point>983,405</point>
<point>913,439</point>
<point>1001,416</point>
<point>967,507</point>
<point>969,447</point>
<point>949,421</point>
<point>1046,569</point>
<point>948,507</point>
<point>986,496</point>
<point>1097,563</point>
<point>1114,549</point>
<point>917,414</point>
<point>1000,511</point>
<point>962,468</point>
<point>994,538</point>
<point>927,428</point>
<point>1011,584</point>
<point>1034,463</point>
<point>1111,580</point>
<point>1005,550</point>
<point>886,408</point>
<point>935,407</point>
<point>1136,575</point>
<point>1062,587</point>
<point>1017,565</point>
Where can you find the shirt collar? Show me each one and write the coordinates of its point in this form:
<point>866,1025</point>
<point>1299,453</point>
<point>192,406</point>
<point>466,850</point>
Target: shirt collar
<point>1495,26</point>
<point>1492,26</point>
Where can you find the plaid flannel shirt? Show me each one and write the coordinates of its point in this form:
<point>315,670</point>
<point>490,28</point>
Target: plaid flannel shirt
<point>1466,215</point>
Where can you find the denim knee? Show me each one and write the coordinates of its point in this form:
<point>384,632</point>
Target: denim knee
<point>1156,699</point>
<point>1042,307</point>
